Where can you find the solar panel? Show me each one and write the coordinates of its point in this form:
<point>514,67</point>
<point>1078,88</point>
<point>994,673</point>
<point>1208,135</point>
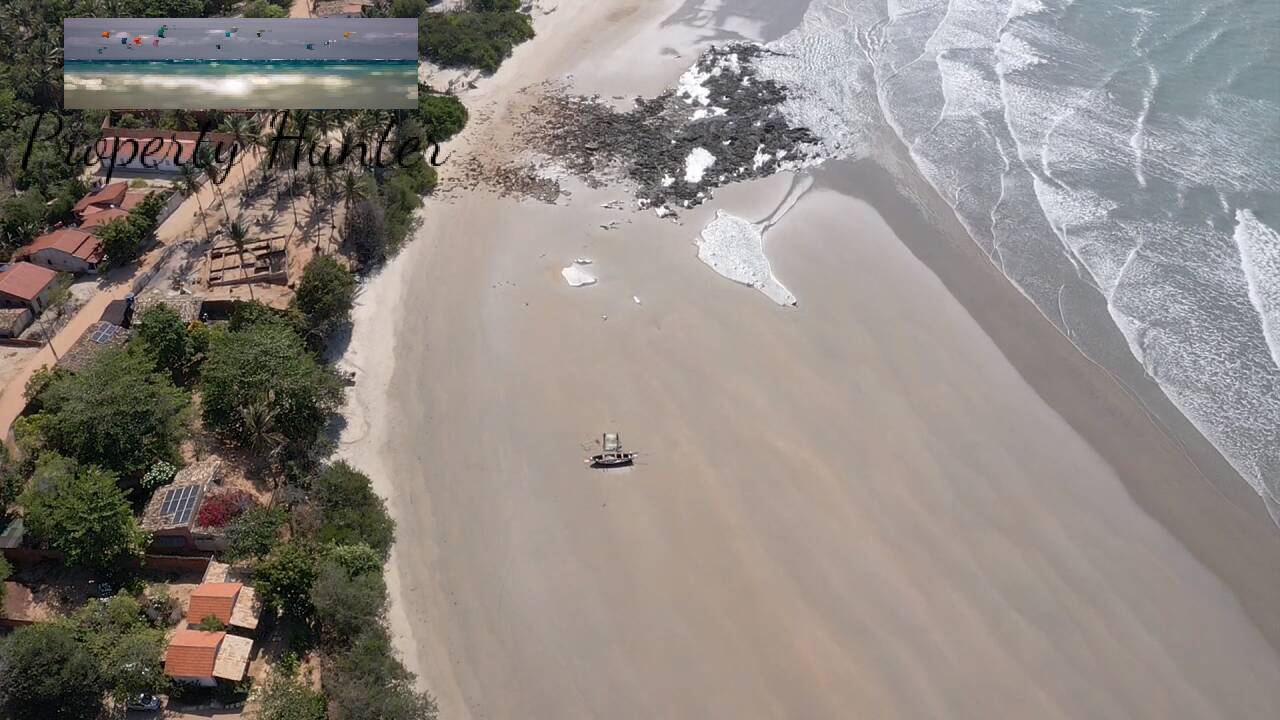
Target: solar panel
<point>104,333</point>
<point>179,503</point>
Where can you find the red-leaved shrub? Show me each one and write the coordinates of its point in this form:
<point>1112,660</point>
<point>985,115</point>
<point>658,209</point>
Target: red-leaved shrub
<point>219,509</point>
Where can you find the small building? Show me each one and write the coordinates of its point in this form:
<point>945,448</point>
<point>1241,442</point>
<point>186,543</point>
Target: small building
<point>23,285</point>
<point>166,151</point>
<point>265,260</point>
<point>204,658</point>
<point>70,250</point>
<point>13,321</point>
<point>172,515</point>
<point>106,197</point>
<point>96,339</point>
<point>233,604</point>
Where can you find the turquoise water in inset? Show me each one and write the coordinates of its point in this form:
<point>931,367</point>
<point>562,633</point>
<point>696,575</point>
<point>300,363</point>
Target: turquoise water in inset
<point>240,84</point>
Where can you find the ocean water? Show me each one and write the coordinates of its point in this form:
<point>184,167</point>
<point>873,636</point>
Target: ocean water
<point>1127,150</point>
<point>240,84</point>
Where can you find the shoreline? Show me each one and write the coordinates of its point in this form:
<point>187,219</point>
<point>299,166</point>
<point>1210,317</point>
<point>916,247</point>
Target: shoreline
<point>434,613</point>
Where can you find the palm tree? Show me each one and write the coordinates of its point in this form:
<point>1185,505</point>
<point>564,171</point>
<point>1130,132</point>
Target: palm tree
<point>238,234</point>
<point>189,185</point>
<point>260,428</point>
<point>241,130</point>
<point>211,173</point>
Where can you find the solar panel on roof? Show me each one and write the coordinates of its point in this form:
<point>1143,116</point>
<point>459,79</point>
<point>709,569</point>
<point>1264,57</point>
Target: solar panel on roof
<point>104,333</point>
<point>179,503</point>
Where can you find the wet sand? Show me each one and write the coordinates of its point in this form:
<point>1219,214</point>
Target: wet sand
<point>858,507</point>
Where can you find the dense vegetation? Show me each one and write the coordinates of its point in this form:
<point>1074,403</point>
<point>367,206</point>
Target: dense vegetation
<point>125,238</point>
<point>440,116</point>
<point>82,513</point>
<point>472,39</point>
<point>118,413</point>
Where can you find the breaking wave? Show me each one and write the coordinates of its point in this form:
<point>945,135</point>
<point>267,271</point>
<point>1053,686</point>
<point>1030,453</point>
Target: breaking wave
<point>1131,153</point>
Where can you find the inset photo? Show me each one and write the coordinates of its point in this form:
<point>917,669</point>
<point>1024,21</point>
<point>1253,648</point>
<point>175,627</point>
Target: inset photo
<point>240,63</point>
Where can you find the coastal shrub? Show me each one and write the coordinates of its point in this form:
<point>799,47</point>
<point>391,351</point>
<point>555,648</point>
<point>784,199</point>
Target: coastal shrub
<point>263,9</point>
<point>163,337</point>
<point>84,515</point>
<point>255,533</point>
<point>283,579</point>
<point>118,413</point>
<point>346,603</point>
<point>369,681</point>
<point>283,697</point>
<point>493,5</point>
<point>47,674</point>
<point>325,295</point>
<point>440,116</point>
<point>356,558</point>
<point>221,508</point>
<point>352,512</point>
<point>365,231</point>
<point>471,39</point>
<point>407,8</point>
<point>267,364</point>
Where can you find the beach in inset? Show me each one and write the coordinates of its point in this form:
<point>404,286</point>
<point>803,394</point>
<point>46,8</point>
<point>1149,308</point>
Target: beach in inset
<point>236,63</point>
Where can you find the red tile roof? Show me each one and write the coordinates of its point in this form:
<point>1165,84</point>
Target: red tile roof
<point>133,197</point>
<point>25,281</point>
<point>217,599</point>
<point>192,654</point>
<point>71,241</point>
<point>102,217</point>
<point>107,195</point>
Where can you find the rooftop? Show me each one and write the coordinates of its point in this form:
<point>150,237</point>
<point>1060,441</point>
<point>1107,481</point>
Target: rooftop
<point>25,281</point>
<point>192,653</point>
<point>102,217</point>
<point>187,306</point>
<point>233,658</point>
<point>111,194</point>
<point>96,339</point>
<point>72,241</point>
<point>216,599</point>
<point>14,320</point>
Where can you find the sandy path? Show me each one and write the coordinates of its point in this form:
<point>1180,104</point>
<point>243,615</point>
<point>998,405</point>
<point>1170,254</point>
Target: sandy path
<point>855,508</point>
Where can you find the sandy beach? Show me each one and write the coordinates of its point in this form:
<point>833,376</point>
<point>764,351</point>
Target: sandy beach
<point>905,497</point>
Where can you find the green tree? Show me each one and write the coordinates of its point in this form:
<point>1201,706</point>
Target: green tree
<point>352,511</point>
<point>285,698</point>
<point>6,570</point>
<point>85,516</point>
<point>164,338</point>
<point>440,116</point>
<point>46,674</point>
<point>255,534</point>
<point>267,362</point>
<point>325,295</point>
<point>118,413</point>
<point>284,578</point>
<point>368,681</point>
<point>127,648</point>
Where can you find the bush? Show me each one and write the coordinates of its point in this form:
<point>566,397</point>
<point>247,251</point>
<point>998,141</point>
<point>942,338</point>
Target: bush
<point>159,475</point>
<point>352,511</point>
<point>221,508</point>
<point>441,116</point>
<point>345,604</point>
<point>262,9</point>
<point>211,623</point>
<point>471,39</point>
<point>356,559</point>
<point>368,681</point>
<point>284,578</point>
<point>255,534</point>
<point>284,698</point>
<point>365,231</point>
<point>493,5</point>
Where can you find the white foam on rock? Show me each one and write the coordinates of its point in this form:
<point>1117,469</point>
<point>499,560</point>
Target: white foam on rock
<point>734,248</point>
<point>577,277</point>
<point>696,164</point>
